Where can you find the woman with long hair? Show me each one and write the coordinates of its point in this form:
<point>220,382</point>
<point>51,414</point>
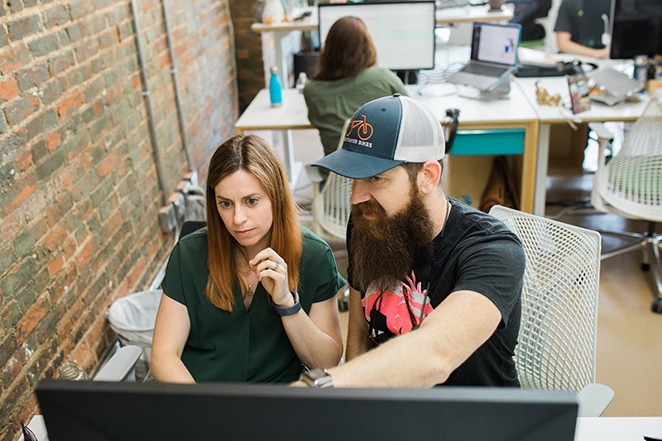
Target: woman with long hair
<point>250,297</point>
<point>346,77</point>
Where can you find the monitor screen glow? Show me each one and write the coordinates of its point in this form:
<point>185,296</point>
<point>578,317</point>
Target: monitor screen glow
<point>403,32</point>
<point>96,411</point>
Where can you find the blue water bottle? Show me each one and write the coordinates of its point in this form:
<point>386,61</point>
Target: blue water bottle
<point>275,90</point>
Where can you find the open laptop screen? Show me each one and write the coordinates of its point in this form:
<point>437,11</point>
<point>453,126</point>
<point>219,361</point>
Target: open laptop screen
<point>495,43</point>
<point>95,411</point>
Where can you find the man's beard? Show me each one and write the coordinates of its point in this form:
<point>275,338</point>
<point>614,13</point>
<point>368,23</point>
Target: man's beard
<point>385,249</point>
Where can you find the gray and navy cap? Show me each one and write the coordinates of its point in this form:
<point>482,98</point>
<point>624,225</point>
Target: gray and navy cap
<point>383,134</point>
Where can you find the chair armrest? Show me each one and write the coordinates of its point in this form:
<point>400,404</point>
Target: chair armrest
<point>593,399</point>
<point>602,131</point>
<point>314,174</point>
<point>120,365</point>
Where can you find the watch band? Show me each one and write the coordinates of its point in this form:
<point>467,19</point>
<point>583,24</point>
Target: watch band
<point>284,312</point>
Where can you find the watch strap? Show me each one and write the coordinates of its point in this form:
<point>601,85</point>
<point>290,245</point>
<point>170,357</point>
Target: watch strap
<point>284,312</point>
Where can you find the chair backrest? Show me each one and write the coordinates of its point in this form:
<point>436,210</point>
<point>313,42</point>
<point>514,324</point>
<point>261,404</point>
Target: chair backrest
<point>331,207</point>
<point>558,334</point>
<point>631,182</point>
<point>550,36</point>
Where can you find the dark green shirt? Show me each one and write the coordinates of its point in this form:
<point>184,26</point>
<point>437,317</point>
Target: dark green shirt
<point>243,345</point>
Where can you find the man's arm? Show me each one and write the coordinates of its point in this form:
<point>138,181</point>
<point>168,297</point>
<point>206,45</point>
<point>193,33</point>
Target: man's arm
<point>357,331</point>
<point>427,356</point>
<point>567,46</point>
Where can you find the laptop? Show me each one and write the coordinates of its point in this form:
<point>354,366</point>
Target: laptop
<point>614,86</point>
<point>493,56</point>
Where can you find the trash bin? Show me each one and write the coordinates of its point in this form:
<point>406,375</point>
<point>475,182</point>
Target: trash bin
<point>132,317</point>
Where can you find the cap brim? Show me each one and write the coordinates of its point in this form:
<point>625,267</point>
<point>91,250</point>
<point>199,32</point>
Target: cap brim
<point>355,165</point>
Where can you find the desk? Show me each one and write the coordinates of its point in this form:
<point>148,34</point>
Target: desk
<point>512,113</point>
<point>291,115</point>
<point>617,428</point>
<point>469,14</point>
<point>281,31</point>
<point>588,429</point>
<point>548,115</point>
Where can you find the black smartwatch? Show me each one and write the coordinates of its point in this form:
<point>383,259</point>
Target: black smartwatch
<point>317,378</point>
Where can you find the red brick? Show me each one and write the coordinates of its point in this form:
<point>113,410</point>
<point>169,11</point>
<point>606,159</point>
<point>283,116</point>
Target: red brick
<point>31,318</point>
<point>73,101</point>
<point>52,140</point>
<point>24,161</point>
<point>55,238</point>
<point>8,88</point>
<point>85,253</point>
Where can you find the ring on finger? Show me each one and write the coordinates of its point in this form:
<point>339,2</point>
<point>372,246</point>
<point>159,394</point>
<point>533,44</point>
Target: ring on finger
<point>276,267</point>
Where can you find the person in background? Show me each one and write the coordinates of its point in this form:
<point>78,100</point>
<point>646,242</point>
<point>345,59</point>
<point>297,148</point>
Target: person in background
<point>580,27</point>
<point>526,13</point>
<point>251,297</point>
<point>346,76</point>
<point>436,285</point>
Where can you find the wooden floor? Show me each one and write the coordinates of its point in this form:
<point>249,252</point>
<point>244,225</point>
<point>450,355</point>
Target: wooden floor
<point>629,355</point>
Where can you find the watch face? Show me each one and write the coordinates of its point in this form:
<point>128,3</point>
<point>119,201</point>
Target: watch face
<point>317,378</point>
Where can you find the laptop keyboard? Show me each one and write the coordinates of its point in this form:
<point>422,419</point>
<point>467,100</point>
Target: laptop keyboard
<point>480,69</point>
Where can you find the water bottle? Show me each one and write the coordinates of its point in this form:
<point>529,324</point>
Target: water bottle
<point>275,89</point>
<point>301,81</point>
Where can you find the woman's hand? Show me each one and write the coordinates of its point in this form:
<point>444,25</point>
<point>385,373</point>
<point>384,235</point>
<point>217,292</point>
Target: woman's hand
<point>271,270</point>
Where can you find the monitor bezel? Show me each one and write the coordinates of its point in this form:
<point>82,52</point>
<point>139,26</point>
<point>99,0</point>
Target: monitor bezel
<point>160,412</point>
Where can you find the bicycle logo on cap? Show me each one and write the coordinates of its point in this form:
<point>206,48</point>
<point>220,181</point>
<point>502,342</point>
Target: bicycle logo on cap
<point>364,128</point>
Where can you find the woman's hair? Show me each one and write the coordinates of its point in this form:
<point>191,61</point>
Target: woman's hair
<point>348,49</point>
<point>254,155</point>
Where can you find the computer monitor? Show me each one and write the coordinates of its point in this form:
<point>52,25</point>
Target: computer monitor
<point>95,411</point>
<point>636,28</point>
<point>403,32</point>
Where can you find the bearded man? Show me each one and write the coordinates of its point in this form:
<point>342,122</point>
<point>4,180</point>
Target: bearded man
<point>435,294</point>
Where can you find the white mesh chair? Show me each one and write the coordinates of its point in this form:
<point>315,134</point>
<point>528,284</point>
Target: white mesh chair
<point>331,207</point>
<point>330,213</point>
<point>630,185</point>
<point>557,340</point>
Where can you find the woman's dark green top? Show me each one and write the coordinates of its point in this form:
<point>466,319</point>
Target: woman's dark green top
<point>243,345</point>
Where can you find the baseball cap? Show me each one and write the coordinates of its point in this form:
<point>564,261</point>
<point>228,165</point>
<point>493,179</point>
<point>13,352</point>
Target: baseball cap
<point>383,134</point>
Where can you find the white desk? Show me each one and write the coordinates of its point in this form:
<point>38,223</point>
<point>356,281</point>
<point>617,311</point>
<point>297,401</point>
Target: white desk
<point>281,30</point>
<point>618,428</point>
<point>548,115</point>
<point>292,114</point>
<point>469,14</point>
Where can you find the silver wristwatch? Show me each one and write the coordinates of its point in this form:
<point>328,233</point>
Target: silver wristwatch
<point>317,378</point>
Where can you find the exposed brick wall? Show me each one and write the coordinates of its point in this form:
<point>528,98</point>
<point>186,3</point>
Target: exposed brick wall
<point>249,52</point>
<point>79,192</point>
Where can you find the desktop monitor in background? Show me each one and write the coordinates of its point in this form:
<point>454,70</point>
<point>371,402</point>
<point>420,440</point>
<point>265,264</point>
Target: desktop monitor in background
<point>403,32</point>
<point>95,411</point>
<point>636,28</point>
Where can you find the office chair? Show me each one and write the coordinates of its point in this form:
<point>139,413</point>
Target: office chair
<point>330,213</point>
<point>629,184</point>
<point>557,340</point>
<point>133,316</point>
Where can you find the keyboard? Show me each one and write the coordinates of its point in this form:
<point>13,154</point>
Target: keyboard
<point>481,69</point>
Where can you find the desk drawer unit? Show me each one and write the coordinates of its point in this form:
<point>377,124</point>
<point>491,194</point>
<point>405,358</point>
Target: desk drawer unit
<point>488,142</point>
